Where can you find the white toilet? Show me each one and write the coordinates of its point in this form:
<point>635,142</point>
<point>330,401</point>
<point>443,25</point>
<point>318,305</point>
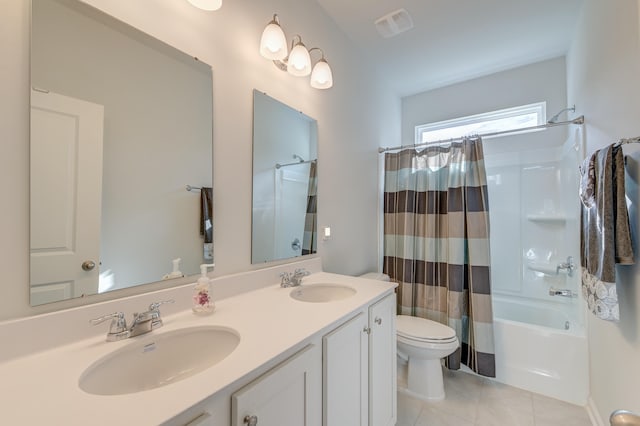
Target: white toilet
<point>423,343</point>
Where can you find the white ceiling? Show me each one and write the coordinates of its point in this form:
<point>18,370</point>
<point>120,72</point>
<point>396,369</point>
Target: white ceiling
<point>456,40</point>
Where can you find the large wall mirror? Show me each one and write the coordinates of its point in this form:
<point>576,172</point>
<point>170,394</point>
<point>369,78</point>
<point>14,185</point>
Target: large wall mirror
<point>285,153</point>
<point>121,123</point>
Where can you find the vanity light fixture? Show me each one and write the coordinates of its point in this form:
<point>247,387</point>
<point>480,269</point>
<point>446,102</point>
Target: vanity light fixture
<point>299,61</point>
<point>208,5</point>
<point>273,45</point>
<point>321,76</point>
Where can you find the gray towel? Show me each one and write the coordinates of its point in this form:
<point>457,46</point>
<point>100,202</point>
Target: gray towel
<point>206,214</point>
<point>605,237</point>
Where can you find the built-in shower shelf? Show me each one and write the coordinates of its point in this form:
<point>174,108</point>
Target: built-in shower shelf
<point>548,218</point>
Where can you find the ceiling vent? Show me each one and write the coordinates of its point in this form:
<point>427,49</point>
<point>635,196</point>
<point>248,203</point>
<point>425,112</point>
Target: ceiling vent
<point>394,23</point>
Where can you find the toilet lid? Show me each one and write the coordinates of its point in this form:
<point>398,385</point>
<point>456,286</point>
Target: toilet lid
<point>423,329</point>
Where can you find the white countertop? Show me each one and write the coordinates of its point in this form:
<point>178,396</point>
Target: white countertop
<point>43,388</point>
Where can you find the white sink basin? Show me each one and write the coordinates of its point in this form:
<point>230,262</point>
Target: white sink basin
<point>322,293</point>
<point>159,360</point>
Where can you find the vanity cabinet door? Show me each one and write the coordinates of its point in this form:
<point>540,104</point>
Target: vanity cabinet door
<point>288,395</point>
<point>382,362</point>
<point>359,369</point>
<point>345,374</point>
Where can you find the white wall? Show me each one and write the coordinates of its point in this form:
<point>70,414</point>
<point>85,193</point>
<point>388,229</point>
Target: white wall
<point>542,81</point>
<point>603,69</point>
<point>354,117</point>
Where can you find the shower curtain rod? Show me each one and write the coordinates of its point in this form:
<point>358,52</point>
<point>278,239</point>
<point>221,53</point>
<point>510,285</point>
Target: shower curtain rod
<point>578,120</point>
<point>278,165</point>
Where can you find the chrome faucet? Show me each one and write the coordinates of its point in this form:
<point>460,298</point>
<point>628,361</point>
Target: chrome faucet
<point>142,322</point>
<point>118,328</point>
<point>568,265</point>
<point>147,321</point>
<point>293,280</point>
<point>562,292</point>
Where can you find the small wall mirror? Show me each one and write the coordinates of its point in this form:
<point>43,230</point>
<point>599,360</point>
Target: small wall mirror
<point>285,152</point>
<point>121,123</point>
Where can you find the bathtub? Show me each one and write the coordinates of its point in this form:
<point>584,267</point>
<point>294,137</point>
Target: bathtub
<point>541,348</point>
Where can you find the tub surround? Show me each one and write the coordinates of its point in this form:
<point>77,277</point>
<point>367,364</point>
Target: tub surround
<point>272,327</point>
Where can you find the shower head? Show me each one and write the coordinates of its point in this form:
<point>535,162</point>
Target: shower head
<point>553,119</point>
<point>297,157</point>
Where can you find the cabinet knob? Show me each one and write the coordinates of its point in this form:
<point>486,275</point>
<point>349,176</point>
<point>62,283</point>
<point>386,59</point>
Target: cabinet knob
<point>367,330</point>
<point>251,420</point>
<point>378,320</point>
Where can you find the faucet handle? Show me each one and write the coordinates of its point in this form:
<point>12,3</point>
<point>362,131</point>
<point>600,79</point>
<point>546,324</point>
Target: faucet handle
<point>118,318</point>
<point>285,279</point>
<point>302,272</point>
<point>117,329</point>
<point>155,305</point>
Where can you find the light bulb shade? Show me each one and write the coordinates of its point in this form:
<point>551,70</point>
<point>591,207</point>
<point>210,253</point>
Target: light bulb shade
<point>299,63</point>
<point>206,4</point>
<point>321,76</point>
<point>273,44</point>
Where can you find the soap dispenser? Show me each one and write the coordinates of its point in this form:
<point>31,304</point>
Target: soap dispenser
<point>176,273</point>
<point>202,301</point>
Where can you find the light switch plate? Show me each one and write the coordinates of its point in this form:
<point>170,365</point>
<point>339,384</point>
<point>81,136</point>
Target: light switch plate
<point>326,233</point>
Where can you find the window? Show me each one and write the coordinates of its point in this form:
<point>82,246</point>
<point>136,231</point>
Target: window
<point>489,122</point>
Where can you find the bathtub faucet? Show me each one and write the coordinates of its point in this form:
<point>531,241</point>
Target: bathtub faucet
<point>568,265</point>
<point>562,292</point>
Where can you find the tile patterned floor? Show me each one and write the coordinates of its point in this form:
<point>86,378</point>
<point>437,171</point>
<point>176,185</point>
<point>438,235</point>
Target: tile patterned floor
<point>476,401</point>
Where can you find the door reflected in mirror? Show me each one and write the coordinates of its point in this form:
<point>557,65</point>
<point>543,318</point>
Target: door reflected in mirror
<point>121,123</point>
<point>285,152</point>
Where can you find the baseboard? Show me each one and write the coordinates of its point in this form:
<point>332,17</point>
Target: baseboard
<point>594,414</point>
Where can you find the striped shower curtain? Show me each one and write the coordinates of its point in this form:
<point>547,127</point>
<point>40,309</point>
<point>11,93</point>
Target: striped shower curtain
<point>309,240</point>
<point>436,243</point>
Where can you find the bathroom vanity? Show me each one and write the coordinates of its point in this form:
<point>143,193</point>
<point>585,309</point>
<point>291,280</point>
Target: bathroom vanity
<point>325,350</point>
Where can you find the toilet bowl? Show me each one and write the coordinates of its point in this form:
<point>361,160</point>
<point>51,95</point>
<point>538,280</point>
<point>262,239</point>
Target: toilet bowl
<point>423,343</point>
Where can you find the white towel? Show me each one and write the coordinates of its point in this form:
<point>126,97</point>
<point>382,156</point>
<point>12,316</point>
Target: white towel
<point>588,180</point>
